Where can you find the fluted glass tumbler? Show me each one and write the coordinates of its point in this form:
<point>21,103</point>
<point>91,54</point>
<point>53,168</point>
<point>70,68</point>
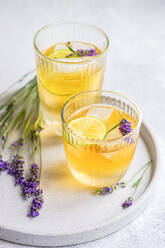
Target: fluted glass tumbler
<point>100,162</point>
<point>61,78</point>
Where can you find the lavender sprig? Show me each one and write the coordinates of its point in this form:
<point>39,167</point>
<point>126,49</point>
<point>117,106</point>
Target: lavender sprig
<point>16,165</point>
<point>125,127</point>
<point>86,52</point>
<point>17,82</point>
<point>127,203</point>
<point>105,190</point>
<point>19,112</point>
<point>29,186</point>
<point>68,44</point>
<point>35,172</point>
<point>16,168</point>
<point>36,204</point>
<point>110,189</point>
<point>135,185</point>
<point>81,52</point>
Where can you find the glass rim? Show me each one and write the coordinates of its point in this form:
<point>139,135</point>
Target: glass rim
<point>102,141</point>
<point>88,60</point>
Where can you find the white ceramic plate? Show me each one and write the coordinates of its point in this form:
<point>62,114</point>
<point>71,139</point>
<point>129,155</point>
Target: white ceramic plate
<point>72,214</point>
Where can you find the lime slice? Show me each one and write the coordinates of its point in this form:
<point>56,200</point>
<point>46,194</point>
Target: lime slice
<point>89,127</point>
<point>59,54</point>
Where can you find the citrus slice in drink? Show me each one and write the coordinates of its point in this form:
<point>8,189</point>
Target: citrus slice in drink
<point>89,127</point>
<point>59,54</point>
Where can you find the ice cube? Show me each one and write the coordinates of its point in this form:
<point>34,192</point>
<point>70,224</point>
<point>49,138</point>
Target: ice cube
<point>114,135</point>
<point>101,113</point>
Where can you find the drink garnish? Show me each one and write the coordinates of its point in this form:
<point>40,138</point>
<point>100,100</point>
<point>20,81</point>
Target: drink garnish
<point>59,54</point>
<point>89,127</point>
<point>125,127</point>
<point>94,128</point>
<point>86,52</point>
<point>68,44</point>
<point>70,52</point>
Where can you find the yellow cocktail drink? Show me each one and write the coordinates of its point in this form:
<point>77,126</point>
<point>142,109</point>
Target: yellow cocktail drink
<point>57,87</point>
<point>99,143</point>
<point>66,68</point>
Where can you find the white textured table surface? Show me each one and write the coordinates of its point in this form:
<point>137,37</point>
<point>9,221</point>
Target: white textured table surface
<point>136,67</point>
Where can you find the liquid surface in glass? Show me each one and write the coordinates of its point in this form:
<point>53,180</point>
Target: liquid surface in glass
<point>101,164</point>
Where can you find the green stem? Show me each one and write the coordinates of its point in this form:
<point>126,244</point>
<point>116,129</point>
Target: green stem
<point>26,128</point>
<point>34,151</point>
<point>18,116</point>
<point>24,95</point>
<point>20,120</point>
<point>40,154</point>
<point>11,155</point>
<point>145,165</point>
<point>6,115</point>
<point>30,115</point>
<point>71,49</point>
<point>13,122</point>
<point>19,93</point>
<point>5,143</point>
<point>34,141</point>
<point>139,180</point>
<point>17,82</point>
<point>16,125</point>
<point>111,129</point>
<point>121,115</point>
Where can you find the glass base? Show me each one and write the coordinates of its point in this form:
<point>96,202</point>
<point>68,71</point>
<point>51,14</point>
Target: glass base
<point>94,182</point>
<point>55,126</point>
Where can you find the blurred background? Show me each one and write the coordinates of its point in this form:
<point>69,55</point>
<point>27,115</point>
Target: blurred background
<point>135,67</point>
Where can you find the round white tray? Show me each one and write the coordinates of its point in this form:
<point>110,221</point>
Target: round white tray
<point>72,214</point>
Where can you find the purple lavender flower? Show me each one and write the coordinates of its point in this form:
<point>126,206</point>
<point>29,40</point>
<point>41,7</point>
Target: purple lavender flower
<point>21,142</point>
<point>121,184</point>
<point>130,140</point>
<point>125,127</point>
<point>38,192</point>
<point>16,168</point>
<point>4,165</point>
<point>80,52</point>
<point>108,190</point>
<point>17,142</point>
<point>37,204</point>
<point>90,52</point>
<point>127,203</point>
<point>105,190</point>
<point>29,187</point>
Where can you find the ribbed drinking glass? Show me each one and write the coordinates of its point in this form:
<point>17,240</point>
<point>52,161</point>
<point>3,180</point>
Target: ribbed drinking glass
<point>100,162</point>
<point>60,79</point>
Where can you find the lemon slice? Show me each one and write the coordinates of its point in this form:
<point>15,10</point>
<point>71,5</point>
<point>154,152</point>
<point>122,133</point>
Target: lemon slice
<point>59,54</point>
<point>89,127</point>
